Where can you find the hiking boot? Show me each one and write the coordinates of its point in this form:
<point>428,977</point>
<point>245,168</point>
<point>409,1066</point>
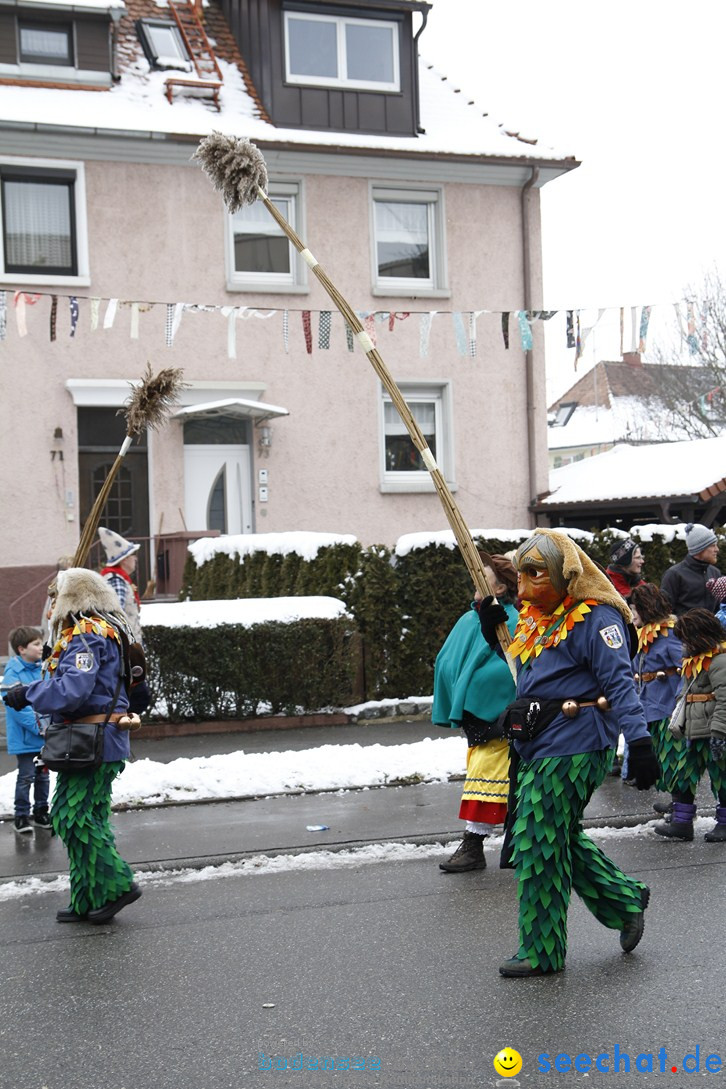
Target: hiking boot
<point>521,968</point>
<point>469,855</point>
<point>106,913</point>
<point>632,932</point>
<point>41,819</point>
<point>23,826</point>
<point>680,825</point>
<point>718,832</point>
<point>68,915</point>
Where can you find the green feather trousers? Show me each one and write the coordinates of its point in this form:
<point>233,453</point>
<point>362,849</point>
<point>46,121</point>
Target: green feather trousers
<point>692,761</point>
<point>552,856</point>
<point>80,814</point>
<point>668,749</point>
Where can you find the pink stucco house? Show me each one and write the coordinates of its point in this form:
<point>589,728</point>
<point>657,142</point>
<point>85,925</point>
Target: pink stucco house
<point>115,251</point>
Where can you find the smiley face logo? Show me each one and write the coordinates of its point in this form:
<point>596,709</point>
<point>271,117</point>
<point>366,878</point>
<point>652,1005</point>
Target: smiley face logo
<point>508,1062</point>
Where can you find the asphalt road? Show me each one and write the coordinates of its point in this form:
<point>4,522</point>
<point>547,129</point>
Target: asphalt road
<point>390,961</point>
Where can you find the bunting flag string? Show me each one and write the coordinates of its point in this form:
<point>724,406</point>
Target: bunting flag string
<point>464,329</point>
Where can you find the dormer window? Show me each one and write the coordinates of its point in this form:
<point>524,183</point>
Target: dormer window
<point>338,51</point>
<point>563,414</point>
<point>163,44</point>
<point>45,43</point>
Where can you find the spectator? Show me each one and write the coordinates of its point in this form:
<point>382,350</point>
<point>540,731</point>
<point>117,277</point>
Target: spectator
<point>472,686</point>
<point>684,584</point>
<point>717,587</point>
<point>24,739</point>
<point>626,563</point>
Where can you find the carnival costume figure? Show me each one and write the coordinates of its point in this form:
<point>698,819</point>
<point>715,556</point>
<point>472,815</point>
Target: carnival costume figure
<point>658,675</point>
<point>703,725</point>
<point>87,681</point>
<point>472,686</point>
<point>576,693</point>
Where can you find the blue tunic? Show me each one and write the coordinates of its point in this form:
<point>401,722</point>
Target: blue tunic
<point>594,660</point>
<point>83,684</point>
<point>658,697</point>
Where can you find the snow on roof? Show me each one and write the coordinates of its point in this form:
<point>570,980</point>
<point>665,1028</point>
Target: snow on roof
<point>245,611</point>
<point>303,543</point>
<point>636,472</point>
<point>453,123</point>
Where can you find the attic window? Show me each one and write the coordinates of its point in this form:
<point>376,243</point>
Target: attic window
<point>563,413</point>
<point>336,51</point>
<point>45,43</point>
<point>163,44</point>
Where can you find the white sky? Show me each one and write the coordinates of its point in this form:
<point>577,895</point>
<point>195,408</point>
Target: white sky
<point>632,89</point>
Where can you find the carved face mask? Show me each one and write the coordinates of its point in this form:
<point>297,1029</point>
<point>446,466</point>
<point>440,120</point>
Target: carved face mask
<point>534,582</point>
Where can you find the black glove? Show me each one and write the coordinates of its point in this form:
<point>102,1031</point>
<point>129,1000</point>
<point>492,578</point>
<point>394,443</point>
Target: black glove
<point>15,697</point>
<point>643,764</point>
<point>718,748</point>
<point>491,615</point>
<point>47,651</point>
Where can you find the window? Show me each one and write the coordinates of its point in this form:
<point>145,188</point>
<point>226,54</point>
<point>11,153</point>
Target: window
<point>163,44</point>
<point>336,51</point>
<point>407,245</point>
<point>45,43</point>
<point>563,414</point>
<point>260,257</point>
<point>42,221</point>
<point>402,468</point>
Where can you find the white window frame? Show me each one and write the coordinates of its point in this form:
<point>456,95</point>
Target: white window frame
<point>82,277</point>
<point>294,282</point>
<point>436,285</point>
<point>438,391</point>
<point>340,22</point>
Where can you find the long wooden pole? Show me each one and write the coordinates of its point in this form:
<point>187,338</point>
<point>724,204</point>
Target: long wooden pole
<point>464,539</point>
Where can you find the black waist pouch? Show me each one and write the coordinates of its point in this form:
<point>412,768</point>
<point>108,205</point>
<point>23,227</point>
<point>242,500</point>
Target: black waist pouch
<point>526,718</point>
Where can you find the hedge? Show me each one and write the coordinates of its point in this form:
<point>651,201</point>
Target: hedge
<point>403,607</point>
<point>235,672</point>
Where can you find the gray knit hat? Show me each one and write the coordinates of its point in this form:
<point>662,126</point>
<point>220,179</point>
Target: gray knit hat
<point>699,537</point>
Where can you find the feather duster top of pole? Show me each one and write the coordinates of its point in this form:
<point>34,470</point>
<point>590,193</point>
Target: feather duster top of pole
<point>234,166</point>
<point>152,400</point>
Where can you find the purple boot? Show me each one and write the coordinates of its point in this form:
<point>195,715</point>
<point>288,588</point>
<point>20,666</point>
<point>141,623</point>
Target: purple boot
<point>680,826</point>
<point>718,832</point>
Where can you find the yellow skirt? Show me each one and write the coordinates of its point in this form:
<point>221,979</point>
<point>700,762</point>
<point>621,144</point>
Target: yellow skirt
<point>484,798</point>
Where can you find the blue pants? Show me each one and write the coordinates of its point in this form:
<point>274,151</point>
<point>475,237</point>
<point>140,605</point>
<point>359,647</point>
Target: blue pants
<point>29,775</point>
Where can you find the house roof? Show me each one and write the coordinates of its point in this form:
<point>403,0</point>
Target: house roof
<point>623,401</point>
<point>694,469</point>
<point>455,125</point>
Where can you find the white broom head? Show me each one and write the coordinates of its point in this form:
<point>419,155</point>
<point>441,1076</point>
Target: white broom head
<point>234,166</point>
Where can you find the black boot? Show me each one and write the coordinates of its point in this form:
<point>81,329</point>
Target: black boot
<point>718,832</point>
<point>680,826</point>
<point>664,806</point>
<point>469,855</point>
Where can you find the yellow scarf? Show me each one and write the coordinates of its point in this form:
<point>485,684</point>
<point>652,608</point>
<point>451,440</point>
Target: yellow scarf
<point>650,632</point>
<point>536,631</point>
<point>692,666</point>
<point>94,625</point>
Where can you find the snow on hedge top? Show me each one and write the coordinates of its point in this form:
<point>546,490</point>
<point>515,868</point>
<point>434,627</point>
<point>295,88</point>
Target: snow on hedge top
<point>246,611</point>
<point>411,541</point>
<point>302,543</point>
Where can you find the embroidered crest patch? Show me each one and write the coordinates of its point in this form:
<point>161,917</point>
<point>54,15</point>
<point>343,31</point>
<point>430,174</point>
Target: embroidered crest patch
<point>612,636</point>
<point>84,661</point>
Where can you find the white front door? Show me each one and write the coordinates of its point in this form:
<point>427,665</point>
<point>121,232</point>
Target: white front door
<point>217,489</point>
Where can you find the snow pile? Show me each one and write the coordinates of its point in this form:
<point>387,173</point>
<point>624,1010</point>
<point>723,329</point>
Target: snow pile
<point>246,611</point>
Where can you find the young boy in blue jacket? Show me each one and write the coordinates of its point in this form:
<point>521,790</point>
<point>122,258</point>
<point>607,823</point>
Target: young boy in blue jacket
<point>24,739</point>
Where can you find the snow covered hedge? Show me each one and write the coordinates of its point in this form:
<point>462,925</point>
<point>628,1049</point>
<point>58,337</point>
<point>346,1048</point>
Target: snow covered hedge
<point>404,600</point>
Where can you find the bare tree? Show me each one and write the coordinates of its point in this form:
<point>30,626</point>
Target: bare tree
<point>691,395</point>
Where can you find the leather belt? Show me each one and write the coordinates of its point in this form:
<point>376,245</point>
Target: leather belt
<point>102,718</point>
<point>700,697</point>
<point>570,708</point>
<point>659,675</point>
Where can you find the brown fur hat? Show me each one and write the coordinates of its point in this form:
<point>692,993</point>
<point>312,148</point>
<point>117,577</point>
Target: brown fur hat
<point>583,576</point>
<point>79,590</point>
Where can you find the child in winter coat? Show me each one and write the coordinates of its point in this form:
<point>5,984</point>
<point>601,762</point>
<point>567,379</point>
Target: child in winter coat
<point>24,738</point>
